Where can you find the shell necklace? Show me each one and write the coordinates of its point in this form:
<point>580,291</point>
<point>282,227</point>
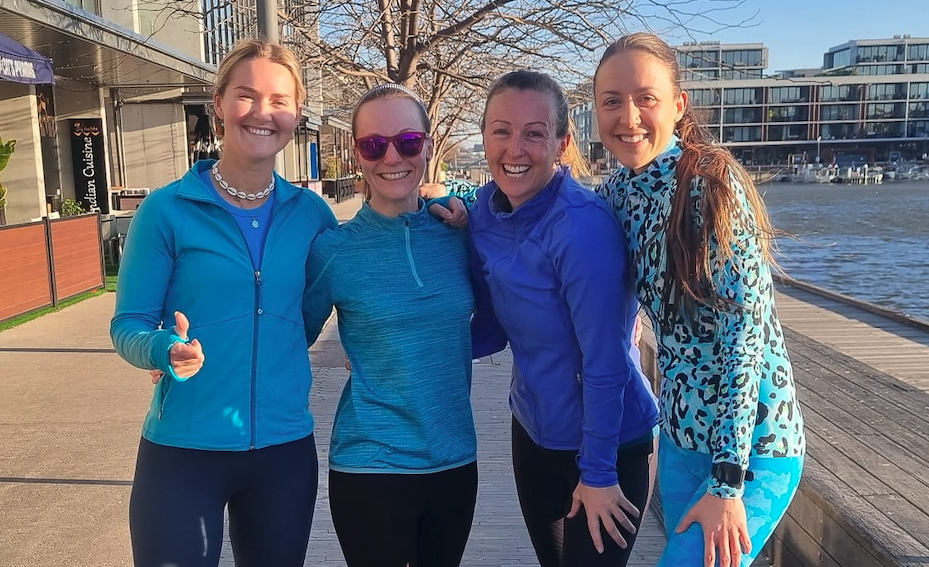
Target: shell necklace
<point>241,194</point>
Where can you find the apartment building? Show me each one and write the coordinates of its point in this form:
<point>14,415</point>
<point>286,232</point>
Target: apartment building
<point>869,102</point>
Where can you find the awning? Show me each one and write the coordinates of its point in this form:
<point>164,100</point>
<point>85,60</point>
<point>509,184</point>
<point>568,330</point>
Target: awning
<point>20,64</point>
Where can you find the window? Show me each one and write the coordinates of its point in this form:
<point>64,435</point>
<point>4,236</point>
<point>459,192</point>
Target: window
<point>919,90</point>
<point>741,74</point>
<point>919,68</point>
<point>896,91</point>
<point>880,53</point>
<point>86,5</point>
<point>838,112</point>
<point>918,53</point>
<point>742,134</point>
<point>784,133</point>
<point>884,110</point>
<point>879,69</point>
<point>788,113</point>
<point>839,131</point>
<point>919,110</point>
<point>698,59</point>
<point>839,59</point>
<point>702,74</point>
<point>918,129</point>
<point>883,129</point>
<point>703,97</point>
<point>742,96</point>
<point>832,93</point>
<point>742,115</point>
<point>780,95</point>
<point>743,58</point>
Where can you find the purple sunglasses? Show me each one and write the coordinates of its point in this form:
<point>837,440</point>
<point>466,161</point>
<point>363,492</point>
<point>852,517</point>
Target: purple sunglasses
<point>407,144</point>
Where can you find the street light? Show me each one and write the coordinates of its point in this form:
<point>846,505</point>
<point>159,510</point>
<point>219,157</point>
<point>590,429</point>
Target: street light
<point>819,140</point>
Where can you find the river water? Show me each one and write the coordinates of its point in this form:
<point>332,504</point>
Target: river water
<point>867,241</point>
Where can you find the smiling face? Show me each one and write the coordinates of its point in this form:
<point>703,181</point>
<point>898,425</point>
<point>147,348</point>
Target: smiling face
<point>638,106</point>
<point>259,110</point>
<point>520,142</point>
<point>394,179</point>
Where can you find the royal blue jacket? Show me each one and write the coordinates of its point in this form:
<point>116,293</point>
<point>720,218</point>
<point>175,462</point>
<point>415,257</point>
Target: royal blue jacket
<point>555,271</point>
<point>184,252</point>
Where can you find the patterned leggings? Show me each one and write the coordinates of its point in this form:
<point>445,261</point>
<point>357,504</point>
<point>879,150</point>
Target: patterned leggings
<point>682,481</point>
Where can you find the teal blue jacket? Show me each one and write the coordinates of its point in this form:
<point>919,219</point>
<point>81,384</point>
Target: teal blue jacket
<point>184,252</point>
<point>402,289</point>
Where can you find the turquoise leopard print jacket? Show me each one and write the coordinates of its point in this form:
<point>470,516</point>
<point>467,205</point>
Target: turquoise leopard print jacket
<point>727,387</point>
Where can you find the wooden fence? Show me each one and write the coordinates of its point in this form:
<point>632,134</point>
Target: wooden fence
<point>48,261</point>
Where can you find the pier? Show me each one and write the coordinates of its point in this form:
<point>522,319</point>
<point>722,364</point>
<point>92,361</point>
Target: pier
<point>71,412</point>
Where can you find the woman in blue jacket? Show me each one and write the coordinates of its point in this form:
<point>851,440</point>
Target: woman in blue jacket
<point>551,258</point>
<point>700,240</point>
<point>225,247</point>
<point>403,470</point>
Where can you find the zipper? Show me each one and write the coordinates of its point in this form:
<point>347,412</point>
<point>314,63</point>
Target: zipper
<point>165,385</point>
<point>254,381</point>
<point>409,252</point>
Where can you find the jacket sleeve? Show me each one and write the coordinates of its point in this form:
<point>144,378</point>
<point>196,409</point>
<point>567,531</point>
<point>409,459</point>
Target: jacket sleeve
<point>145,272</point>
<point>740,280</point>
<point>487,335</point>
<point>317,296</point>
<point>589,255</point>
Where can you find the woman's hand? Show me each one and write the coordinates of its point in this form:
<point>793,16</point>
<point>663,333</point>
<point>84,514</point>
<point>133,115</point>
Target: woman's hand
<point>725,529</point>
<point>606,505</point>
<point>186,358</point>
<point>456,216</point>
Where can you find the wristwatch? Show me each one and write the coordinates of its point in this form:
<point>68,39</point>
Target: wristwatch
<point>730,474</point>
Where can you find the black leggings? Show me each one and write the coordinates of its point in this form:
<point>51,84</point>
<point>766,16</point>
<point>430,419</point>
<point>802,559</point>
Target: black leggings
<point>545,482</point>
<point>178,496</point>
<point>391,520</point>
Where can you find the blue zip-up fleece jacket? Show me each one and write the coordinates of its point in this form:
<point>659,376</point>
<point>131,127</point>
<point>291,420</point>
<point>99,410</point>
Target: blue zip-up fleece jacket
<point>184,252</point>
<point>403,294</point>
<point>555,272</point>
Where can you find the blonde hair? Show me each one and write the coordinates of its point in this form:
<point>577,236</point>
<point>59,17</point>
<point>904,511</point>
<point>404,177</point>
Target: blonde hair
<point>249,49</point>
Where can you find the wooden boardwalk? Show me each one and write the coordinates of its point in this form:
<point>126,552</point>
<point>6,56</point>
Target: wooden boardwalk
<point>891,346</point>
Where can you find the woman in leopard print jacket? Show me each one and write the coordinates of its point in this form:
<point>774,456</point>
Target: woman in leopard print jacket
<point>699,238</point>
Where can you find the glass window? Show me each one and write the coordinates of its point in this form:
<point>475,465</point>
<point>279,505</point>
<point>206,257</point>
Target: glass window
<point>742,96</point>
<point>879,70</point>
<point>832,93</point>
<point>742,134</point>
<point>919,110</point>
<point>887,91</point>
<point>883,129</point>
<point>780,95</point>
<point>742,115</point>
<point>884,110</point>
<point>837,112</point>
<point>703,97</point>
<point>742,58</point>
<point>918,53</point>
<point>841,59</point>
<point>784,133</point>
<point>788,113</point>
<point>918,129</point>
<point>839,131</point>
<point>919,68</point>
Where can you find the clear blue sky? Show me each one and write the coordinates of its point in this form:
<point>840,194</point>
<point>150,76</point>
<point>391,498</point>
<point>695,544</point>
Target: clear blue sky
<point>798,32</point>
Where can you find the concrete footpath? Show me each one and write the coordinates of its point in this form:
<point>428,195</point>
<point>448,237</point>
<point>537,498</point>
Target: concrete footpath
<point>70,416</point>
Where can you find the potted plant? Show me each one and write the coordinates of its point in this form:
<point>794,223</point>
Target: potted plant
<point>6,151</point>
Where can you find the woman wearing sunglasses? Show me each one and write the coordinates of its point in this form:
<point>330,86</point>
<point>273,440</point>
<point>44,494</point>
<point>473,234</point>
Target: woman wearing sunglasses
<point>552,259</point>
<point>403,471</point>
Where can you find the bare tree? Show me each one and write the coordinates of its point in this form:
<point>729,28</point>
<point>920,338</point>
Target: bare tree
<point>450,50</point>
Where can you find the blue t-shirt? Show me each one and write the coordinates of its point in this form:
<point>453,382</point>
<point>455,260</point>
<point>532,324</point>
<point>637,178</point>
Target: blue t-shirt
<point>253,223</point>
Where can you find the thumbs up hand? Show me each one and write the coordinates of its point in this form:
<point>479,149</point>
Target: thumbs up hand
<point>186,358</point>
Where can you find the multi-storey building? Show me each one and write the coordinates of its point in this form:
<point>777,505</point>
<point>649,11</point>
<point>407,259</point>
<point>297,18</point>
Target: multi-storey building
<point>138,76</point>
<point>868,103</point>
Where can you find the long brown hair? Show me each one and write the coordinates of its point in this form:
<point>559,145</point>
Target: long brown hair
<point>723,216</point>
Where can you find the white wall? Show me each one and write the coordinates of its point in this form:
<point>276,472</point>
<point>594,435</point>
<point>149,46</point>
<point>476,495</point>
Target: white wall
<point>23,177</point>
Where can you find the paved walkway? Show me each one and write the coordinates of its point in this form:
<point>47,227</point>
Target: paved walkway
<point>70,415</point>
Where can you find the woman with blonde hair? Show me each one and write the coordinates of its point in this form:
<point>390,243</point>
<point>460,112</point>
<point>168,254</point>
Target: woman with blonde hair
<point>210,294</point>
<point>732,443</point>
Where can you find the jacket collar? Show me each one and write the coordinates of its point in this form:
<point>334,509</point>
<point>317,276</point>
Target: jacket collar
<point>660,173</point>
<point>369,216</point>
<point>193,188</point>
<point>534,208</point>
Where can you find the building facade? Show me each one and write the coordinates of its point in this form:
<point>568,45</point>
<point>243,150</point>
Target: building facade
<point>132,91</point>
<point>868,103</point>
